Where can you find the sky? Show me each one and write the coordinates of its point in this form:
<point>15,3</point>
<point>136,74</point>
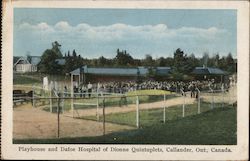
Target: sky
<point>100,32</point>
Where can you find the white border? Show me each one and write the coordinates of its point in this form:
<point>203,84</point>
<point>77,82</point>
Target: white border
<point>240,152</point>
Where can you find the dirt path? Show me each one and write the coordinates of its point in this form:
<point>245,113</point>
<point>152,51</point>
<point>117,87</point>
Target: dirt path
<point>227,97</point>
<point>132,107</point>
<point>35,123</point>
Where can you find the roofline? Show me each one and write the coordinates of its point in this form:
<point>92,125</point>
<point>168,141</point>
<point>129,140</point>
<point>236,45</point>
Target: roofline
<point>19,60</point>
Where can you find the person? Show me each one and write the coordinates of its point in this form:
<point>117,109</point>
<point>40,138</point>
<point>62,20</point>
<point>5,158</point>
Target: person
<point>65,91</point>
<point>75,91</point>
<point>197,92</point>
<point>192,90</point>
<point>89,89</point>
<point>98,88</point>
<point>80,90</point>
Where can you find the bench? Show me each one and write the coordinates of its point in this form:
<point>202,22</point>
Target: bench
<point>20,96</point>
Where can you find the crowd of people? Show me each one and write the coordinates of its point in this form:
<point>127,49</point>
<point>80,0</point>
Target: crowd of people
<point>127,86</point>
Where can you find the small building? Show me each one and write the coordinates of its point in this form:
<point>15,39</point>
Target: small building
<point>89,74</point>
<point>22,65</point>
<point>204,73</point>
<point>162,73</point>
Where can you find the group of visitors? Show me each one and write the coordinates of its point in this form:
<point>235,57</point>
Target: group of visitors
<point>127,86</point>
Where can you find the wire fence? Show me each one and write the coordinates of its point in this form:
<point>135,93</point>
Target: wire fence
<point>93,114</point>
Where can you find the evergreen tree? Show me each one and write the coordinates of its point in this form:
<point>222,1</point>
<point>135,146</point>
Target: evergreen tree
<point>48,63</point>
<point>123,58</point>
<point>148,61</point>
<point>230,63</point>
<point>180,61</point>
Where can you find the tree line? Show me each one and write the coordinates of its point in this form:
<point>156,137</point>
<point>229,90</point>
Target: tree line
<point>181,63</point>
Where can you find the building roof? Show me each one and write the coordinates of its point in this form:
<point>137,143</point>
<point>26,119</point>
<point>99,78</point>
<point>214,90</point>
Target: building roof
<point>142,71</point>
<point>163,70</point>
<point>208,71</point>
<point>15,59</point>
<point>113,71</point>
<point>22,60</point>
<point>76,71</point>
<point>106,71</point>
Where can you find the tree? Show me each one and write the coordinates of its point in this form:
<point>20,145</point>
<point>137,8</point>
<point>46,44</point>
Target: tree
<point>205,59</point>
<point>68,54</point>
<point>73,62</point>
<point>161,62</point>
<point>74,53</point>
<point>48,64</point>
<point>101,61</point>
<point>151,72</point>
<point>56,47</point>
<point>123,58</point>
<point>230,63</point>
<point>191,63</point>
<point>148,61</point>
<point>214,61</point>
<point>179,61</point>
<point>164,62</point>
<point>169,61</point>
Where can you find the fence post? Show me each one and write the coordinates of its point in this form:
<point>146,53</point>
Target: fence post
<point>222,96</point>
<point>164,109</point>
<point>183,108</point>
<point>97,107</point>
<point>33,96</point>
<point>58,117</point>
<point>234,94</point>
<point>229,95</point>
<point>199,101</point>
<point>183,105</point>
<point>137,112</point>
<point>50,102</point>
<point>62,105</point>
<point>72,102</point>
<point>103,112</point>
<point>212,98</point>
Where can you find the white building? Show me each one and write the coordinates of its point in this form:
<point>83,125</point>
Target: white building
<point>22,65</point>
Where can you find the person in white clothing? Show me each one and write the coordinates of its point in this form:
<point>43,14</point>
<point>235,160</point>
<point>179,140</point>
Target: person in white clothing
<point>90,89</point>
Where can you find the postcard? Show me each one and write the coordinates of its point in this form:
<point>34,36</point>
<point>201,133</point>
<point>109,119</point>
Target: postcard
<point>125,80</point>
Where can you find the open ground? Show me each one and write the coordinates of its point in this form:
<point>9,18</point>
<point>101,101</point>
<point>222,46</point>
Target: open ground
<point>36,123</point>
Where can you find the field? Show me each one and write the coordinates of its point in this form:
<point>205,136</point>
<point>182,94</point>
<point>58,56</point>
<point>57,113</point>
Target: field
<point>122,100</point>
<point>214,127</point>
<point>149,117</point>
<point>36,123</point>
<point>26,79</point>
<point>35,78</point>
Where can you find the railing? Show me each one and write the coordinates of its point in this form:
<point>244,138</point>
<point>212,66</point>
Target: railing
<point>163,106</point>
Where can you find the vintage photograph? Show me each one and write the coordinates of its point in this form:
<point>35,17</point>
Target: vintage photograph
<point>125,80</point>
<point>148,76</point>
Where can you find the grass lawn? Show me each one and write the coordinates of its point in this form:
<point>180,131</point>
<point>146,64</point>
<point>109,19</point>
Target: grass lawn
<point>31,78</point>
<point>149,92</point>
<point>213,127</point>
<point>25,79</point>
<point>120,101</point>
<point>151,116</point>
